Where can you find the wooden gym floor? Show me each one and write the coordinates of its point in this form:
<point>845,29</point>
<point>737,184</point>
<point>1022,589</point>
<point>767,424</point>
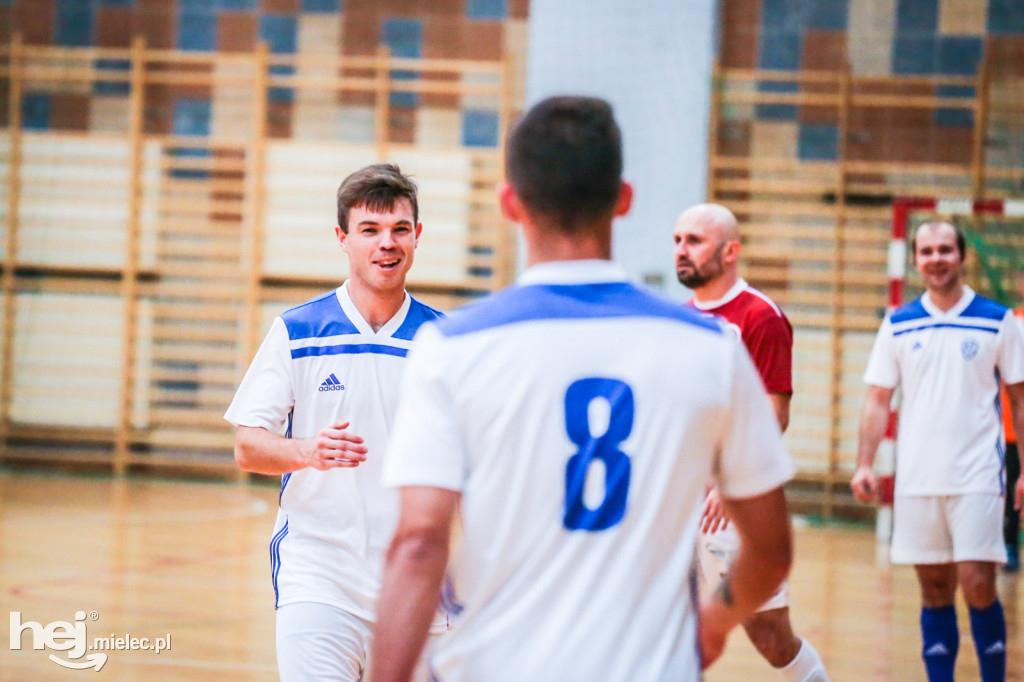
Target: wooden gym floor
<point>152,558</point>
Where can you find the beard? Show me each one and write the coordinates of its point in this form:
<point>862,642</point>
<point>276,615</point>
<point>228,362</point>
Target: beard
<point>697,276</point>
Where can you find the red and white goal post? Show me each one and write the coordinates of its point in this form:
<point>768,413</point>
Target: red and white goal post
<point>902,210</point>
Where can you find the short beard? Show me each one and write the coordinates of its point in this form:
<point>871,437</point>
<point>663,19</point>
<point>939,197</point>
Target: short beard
<point>712,270</point>
<point>694,279</point>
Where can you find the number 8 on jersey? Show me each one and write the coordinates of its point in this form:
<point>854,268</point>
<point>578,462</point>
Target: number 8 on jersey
<point>605,447</point>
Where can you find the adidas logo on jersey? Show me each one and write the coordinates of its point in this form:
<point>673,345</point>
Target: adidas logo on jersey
<point>331,383</point>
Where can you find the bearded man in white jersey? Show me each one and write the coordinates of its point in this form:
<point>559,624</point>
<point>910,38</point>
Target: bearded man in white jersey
<point>327,375</point>
<point>573,421</point>
<point>948,350</point>
<point>707,249</point>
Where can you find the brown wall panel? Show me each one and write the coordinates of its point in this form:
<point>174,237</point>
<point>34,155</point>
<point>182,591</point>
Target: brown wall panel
<point>35,20</point>
<point>741,28</point>
<point>402,125</point>
<point>281,6</point>
<point>6,21</point>
<point>237,31</point>
<point>114,26</point>
<point>156,24</point>
<point>734,138</point>
<point>824,50</point>
<point>1006,55</point>
<point>360,32</point>
<point>69,111</point>
<point>518,9</point>
<point>279,119</point>
<point>482,40</point>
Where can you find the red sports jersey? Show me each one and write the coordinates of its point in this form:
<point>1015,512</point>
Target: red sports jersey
<point>764,329</point>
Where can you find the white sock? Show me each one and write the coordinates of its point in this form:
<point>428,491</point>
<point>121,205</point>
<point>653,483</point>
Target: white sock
<point>805,667</point>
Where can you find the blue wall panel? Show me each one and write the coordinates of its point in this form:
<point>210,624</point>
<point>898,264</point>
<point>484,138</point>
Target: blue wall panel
<point>479,128</point>
<point>404,37</point>
<point>818,142</point>
<point>35,111</point>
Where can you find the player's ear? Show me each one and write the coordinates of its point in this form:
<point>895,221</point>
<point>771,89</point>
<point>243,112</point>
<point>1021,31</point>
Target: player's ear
<point>731,253</point>
<point>342,238</point>
<point>511,206</point>
<point>416,235</point>
<point>625,201</point>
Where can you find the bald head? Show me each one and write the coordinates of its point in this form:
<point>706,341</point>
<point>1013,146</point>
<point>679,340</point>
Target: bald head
<point>707,246</point>
<point>716,220</point>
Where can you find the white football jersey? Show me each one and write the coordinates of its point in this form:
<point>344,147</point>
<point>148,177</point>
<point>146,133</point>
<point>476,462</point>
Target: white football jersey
<point>321,363</point>
<point>580,417</point>
<point>950,439</point>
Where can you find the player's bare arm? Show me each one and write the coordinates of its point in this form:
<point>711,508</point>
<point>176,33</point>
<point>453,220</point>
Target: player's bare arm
<point>713,517</point>
<point>257,450</point>
<point>873,421</point>
<point>780,402</point>
<point>411,586</point>
<point>764,559</point>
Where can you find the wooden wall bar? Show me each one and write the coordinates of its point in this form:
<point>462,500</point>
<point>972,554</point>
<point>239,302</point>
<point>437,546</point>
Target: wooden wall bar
<point>141,267</point>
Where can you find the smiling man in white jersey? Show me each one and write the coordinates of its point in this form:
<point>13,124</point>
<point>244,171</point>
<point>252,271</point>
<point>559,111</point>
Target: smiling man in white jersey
<point>707,248</point>
<point>948,350</point>
<point>573,420</point>
<point>327,374</point>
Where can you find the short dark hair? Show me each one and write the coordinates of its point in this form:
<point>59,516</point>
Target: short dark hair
<point>378,187</point>
<point>564,160</point>
<point>961,240</point>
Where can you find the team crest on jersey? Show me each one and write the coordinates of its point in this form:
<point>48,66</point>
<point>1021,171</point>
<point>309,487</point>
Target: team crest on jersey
<point>969,349</point>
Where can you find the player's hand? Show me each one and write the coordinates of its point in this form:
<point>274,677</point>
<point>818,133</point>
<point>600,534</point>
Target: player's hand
<point>333,448</point>
<point>711,634</point>
<point>864,484</point>
<point>713,517</point>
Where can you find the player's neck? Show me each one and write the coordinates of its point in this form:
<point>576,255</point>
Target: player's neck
<point>546,246</point>
<point>946,297</point>
<point>376,306</point>
<point>716,288</point>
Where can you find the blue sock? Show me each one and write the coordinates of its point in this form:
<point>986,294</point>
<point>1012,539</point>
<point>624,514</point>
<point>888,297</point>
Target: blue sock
<point>988,626</point>
<point>941,642</point>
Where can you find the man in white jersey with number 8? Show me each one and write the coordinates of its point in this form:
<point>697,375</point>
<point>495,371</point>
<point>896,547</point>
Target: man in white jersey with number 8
<point>573,420</point>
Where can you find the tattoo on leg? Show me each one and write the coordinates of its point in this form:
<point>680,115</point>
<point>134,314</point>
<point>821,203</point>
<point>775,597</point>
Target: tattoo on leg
<point>724,591</point>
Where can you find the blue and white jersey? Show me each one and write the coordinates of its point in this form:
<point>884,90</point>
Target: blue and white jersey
<point>321,363</point>
<point>580,417</point>
<point>949,364</point>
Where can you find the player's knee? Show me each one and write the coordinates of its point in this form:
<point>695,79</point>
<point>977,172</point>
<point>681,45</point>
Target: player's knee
<point>937,589</point>
<point>979,588</point>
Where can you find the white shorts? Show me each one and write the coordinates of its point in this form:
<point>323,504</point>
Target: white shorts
<point>714,554</point>
<point>320,642</point>
<point>943,529</point>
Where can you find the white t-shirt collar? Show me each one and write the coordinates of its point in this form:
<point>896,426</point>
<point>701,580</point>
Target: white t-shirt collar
<point>961,305</point>
<point>356,318</point>
<point>734,291</point>
<point>573,272</point>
